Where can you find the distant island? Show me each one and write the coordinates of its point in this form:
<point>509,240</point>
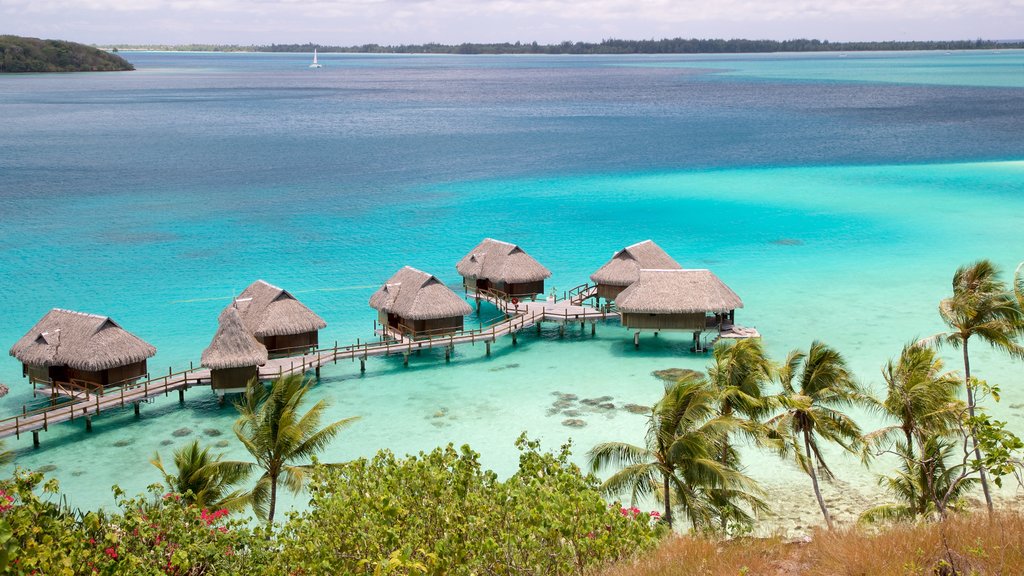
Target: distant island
<point>20,54</point>
<point>610,46</point>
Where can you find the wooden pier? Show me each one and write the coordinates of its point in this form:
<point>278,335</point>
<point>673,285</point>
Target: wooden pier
<point>84,405</point>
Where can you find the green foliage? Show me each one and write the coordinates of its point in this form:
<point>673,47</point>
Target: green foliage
<point>204,479</point>
<point>816,385</point>
<point>682,460</point>
<point>148,535</point>
<point>441,513</point>
<point>271,428</point>
<point>19,54</point>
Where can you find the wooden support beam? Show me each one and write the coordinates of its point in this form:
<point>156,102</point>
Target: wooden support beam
<point>561,330</point>
<point>35,438</point>
<point>317,372</point>
<point>362,364</point>
<point>405,359</point>
<point>88,423</point>
<point>137,404</point>
<point>488,347</point>
<point>593,328</point>
<point>181,395</point>
<point>514,338</point>
<point>636,339</point>
<point>447,354</point>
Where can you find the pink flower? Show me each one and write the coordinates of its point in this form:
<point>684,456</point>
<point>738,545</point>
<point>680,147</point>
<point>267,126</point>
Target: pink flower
<point>112,552</point>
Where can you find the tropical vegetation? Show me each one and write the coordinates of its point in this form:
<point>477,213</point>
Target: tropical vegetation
<point>280,438</point>
<point>20,54</point>
<point>981,306</point>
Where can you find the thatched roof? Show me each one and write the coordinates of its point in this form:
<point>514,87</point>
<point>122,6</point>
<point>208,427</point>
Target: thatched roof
<point>233,346</point>
<point>268,310</point>
<point>80,341</point>
<point>416,295</point>
<point>624,267</point>
<point>677,292</point>
<point>499,261</point>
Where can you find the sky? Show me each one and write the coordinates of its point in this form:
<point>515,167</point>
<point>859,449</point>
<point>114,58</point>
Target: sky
<point>354,22</point>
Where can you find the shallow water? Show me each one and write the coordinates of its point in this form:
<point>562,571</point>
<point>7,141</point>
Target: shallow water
<point>835,197</point>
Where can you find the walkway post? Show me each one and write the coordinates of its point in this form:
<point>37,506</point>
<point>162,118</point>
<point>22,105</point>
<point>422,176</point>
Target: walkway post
<point>88,423</point>
<point>35,438</point>
<point>488,343</point>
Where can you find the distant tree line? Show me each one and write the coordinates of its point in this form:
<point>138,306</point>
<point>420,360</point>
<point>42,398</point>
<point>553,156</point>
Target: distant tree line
<point>611,46</point>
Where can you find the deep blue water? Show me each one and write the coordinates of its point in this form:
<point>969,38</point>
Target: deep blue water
<point>153,196</point>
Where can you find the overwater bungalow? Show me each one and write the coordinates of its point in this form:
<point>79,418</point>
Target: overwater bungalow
<point>624,268</point>
<point>277,319</point>
<point>234,355</point>
<point>502,268</point>
<point>690,300</point>
<point>77,351</point>
<point>416,304</point>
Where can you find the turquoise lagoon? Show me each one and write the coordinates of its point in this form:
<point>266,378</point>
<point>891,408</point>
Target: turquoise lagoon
<point>836,199</point>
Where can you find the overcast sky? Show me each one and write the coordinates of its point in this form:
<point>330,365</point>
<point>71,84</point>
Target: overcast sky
<point>348,22</point>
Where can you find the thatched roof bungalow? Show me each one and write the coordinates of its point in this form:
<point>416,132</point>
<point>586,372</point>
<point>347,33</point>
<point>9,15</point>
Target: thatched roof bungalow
<point>277,319</point>
<point>502,267</point>
<point>692,300</point>
<point>416,304</point>
<point>624,267</point>
<point>82,350</point>
<point>234,355</point>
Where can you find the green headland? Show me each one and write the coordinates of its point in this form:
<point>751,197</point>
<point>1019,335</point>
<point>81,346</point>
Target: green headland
<point>20,54</point>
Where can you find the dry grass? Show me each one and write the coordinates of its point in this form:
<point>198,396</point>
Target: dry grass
<point>967,546</point>
<point>694,556</point>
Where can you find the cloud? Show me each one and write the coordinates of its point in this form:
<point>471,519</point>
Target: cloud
<point>413,21</point>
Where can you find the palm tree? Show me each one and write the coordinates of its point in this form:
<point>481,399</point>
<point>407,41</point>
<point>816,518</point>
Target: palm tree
<point>815,385</point>
<point>272,430</point>
<point>203,479</point>
<point>678,459</point>
<point>1018,286</point>
<point>932,484</point>
<point>981,306</point>
<point>922,399</point>
<point>738,373</point>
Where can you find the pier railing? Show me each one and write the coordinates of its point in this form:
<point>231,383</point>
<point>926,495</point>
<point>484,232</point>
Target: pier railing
<point>84,402</point>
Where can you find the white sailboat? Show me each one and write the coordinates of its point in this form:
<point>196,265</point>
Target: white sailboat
<point>315,64</point>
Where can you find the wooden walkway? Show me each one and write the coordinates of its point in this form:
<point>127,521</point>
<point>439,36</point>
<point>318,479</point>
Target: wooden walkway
<point>84,406</point>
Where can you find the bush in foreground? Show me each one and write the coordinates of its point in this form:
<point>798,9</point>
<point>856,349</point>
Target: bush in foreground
<point>441,513</point>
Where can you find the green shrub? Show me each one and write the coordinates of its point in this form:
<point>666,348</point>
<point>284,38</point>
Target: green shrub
<point>441,513</point>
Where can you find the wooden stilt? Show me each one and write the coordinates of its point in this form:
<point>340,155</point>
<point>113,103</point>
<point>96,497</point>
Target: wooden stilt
<point>636,339</point>
<point>593,328</point>
<point>362,364</point>
<point>538,328</point>
<point>513,338</point>
<point>488,347</point>
<point>477,305</point>
<point>137,404</point>
<point>35,438</point>
<point>88,423</point>
<point>181,395</point>
<point>447,354</point>
<point>561,330</point>
<point>317,372</point>
<point>405,359</point>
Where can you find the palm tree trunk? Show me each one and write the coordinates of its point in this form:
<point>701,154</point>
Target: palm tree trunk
<point>814,479</point>
<point>273,498</point>
<point>668,500</point>
<point>917,507</point>
<point>974,434</point>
